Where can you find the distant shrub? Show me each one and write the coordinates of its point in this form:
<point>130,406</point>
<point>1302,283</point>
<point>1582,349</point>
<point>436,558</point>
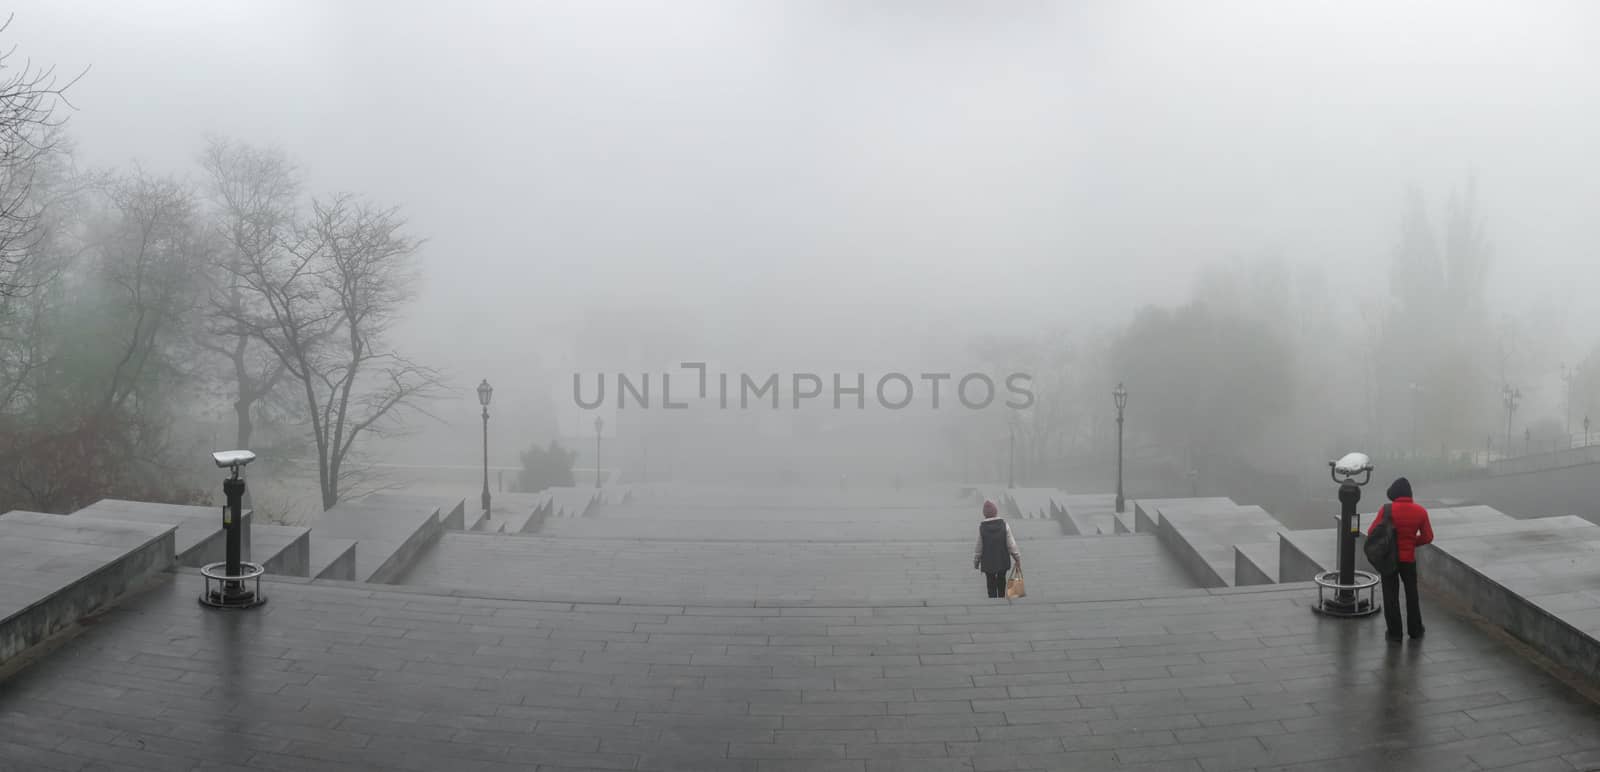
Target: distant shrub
<point>546,467</point>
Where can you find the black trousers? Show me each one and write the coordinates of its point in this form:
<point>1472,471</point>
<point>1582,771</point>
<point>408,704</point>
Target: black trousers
<point>1391,601</point>
<point>997,585</point>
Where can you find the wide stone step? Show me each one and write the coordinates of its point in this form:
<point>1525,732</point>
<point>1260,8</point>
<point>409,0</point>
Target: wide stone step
<point>1539,579</point>
<point>1030,503</point>
<point>1146,515</point>
<point>55,570</point>
<point>281,549</point>
<point>453,510</point>
<point>569,502</point>
<point>331,557</point>
<point>895,571</point>
<point>799,530</point>
<point>388,534</point>
<point>517,513</point>
<point>199,537</point>
<point>1303,554</point>
<point>1095,514</point>
<point>1205,538</point>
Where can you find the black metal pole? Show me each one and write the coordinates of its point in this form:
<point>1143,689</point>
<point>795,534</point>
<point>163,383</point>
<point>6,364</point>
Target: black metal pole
<point>1121,502</point>
<point>486,461</point>
<point>1509,409</point>
<point>1349,497</point>
<point>597,454</point>
<point>233,489</point>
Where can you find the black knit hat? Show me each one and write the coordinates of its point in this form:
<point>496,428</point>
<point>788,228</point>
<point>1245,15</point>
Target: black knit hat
<point>1400,488</point>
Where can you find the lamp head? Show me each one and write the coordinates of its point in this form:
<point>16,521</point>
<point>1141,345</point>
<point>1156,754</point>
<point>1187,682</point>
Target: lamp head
<point>485,392</point>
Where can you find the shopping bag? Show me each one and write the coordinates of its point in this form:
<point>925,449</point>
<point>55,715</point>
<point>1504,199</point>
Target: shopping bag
<point>1014,587</point>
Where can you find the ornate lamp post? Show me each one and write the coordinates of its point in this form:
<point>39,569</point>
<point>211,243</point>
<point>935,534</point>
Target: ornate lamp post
<point>1120,396</point>
<point>597,424</point>
<point>1566,378</point>
<point>485,392</point>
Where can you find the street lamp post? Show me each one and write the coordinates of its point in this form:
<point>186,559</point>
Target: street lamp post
<point>1120,397</point>
<point>1566,379</point>
<point>485,391</point>
<point>1586,431</point>
<point>1510,396</point>
<point>597,424</point>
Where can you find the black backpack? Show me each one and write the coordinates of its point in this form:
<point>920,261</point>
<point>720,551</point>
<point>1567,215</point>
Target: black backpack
<point>1382,547</point>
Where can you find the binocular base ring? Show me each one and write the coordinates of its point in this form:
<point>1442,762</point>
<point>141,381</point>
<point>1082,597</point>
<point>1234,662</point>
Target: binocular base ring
<point>1347,601</point>
<point>225,590</point>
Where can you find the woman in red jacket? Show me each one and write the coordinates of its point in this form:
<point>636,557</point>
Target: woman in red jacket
<point>1412,530</point>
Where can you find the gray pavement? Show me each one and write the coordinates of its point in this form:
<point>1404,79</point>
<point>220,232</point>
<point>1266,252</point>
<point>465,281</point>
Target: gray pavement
<point>556,653</point>
<point>330,677</point>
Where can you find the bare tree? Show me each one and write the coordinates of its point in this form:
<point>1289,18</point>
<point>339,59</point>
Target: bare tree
<point>150,258</point>
<point>112,364</point>
<point>323,305</point>
<point>28,123</point>
<point>254,192</point>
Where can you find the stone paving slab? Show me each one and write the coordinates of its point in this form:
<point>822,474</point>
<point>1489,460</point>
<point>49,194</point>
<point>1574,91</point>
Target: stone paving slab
<point>199,536</point>
<point>350,677</point>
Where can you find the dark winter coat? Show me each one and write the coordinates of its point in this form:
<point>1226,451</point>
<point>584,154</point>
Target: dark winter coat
<point>996,546</point>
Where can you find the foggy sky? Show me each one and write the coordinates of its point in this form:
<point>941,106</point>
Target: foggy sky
<point>805,168</point>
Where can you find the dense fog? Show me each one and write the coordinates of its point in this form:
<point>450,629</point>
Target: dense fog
<point>1290,229</point>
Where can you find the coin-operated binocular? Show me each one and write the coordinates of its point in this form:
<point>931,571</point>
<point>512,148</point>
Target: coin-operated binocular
<point>1351,473</point>
<point>226,581</point>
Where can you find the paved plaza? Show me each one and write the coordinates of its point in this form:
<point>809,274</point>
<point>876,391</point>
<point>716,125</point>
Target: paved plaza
<point>544,652</point>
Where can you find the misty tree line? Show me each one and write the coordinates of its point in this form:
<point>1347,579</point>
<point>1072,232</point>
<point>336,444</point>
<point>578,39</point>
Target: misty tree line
<point>1279,365</point>
<point>130,300</point>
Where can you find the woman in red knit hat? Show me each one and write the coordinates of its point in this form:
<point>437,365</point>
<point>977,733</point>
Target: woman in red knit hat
<point>996,551</point>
